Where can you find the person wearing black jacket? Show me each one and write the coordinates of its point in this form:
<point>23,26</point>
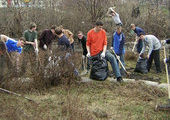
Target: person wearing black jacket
<point>82,39</point>
<point>47,37</point>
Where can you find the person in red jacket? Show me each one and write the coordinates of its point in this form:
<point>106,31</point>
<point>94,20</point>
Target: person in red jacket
<point>96,40</point>
<point>97,44</point>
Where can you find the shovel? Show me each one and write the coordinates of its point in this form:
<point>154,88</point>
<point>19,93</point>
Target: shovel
<point>112,51</point>
<point>167,106</point>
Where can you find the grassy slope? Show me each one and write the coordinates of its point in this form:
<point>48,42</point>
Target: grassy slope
<point>79,102</point>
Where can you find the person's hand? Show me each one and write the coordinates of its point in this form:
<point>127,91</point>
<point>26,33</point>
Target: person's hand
<point>111,48</point>
<point>103,54</point>
<point>147,56</point>
<point>45,46</point>
<point>165,60</point>
<point>88,54</point>
<point>118,57</point>
<point>36,51</point>
<point>33,44</point>
<point>163,42</point>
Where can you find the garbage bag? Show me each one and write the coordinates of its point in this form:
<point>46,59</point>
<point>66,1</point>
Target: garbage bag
<point>141,66</point>
<point>99,69</point>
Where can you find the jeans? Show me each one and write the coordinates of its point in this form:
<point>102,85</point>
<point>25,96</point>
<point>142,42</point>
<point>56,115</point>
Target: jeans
<point>123,62</point>
<point>115,66</point>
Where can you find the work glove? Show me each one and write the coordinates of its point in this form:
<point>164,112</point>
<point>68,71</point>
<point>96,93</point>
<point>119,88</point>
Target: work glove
<point>102,55</point>
<point>165,60</point>
<point>45,47</point>
<point>36,51</point>
<point>163,42</point>
<point>49,59</point>
<point>118,57</point>
<point>88,54</point>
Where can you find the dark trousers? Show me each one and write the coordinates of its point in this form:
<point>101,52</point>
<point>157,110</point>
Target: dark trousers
<point>156,57</point>
<point>2,65</point>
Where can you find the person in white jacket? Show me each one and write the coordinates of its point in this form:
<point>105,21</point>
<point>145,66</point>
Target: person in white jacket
<point>111,12</point>
<point>153,54</point>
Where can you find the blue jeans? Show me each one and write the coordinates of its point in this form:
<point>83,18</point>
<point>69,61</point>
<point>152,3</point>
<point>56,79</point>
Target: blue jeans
<point>115,66</point>
<point>123,62</point>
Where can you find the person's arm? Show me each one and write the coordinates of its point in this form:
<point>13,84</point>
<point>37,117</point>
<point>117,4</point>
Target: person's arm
<point>143,48</point>
<point>88,48</point>
<point>36,44</point>
<point>113,13</point>
<point>150,44</point>
<point>104,48</point>
<point>105,45</point>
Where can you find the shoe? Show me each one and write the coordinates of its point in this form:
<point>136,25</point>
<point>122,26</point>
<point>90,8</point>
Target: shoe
<point>119,79</point>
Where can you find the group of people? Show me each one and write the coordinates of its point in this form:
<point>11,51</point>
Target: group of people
<point>28,47</point>
<point>97,45</point>
<point>94,44</point>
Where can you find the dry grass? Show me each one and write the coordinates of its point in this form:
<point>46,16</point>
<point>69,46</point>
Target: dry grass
<point>42,74</point>
<point>87,101</point>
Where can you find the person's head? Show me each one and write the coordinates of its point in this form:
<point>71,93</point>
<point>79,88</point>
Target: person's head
<point>53,27</point>
<point>21,41</point>
<point>133,27</point>
<point>58,31</point>
<point>119,29</point>
<point>99,26</point>
<point>4,38</point>
<point>142,35</point>
<point>61,27</point>
<point>80,34</point>
<point>33,26</point>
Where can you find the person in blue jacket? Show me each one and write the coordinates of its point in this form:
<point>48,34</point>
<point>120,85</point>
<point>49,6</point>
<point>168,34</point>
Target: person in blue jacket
<point>118,44</point>
<point>9,46</point>
<point>138,31</point>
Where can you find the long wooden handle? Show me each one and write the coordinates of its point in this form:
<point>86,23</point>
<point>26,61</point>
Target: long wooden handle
<point>167,75</point>
<point>119,61</point>
<point>10,92</point>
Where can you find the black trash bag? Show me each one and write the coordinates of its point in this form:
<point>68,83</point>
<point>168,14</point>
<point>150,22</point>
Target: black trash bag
<point>99,70</point>
<point>141,66</point>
